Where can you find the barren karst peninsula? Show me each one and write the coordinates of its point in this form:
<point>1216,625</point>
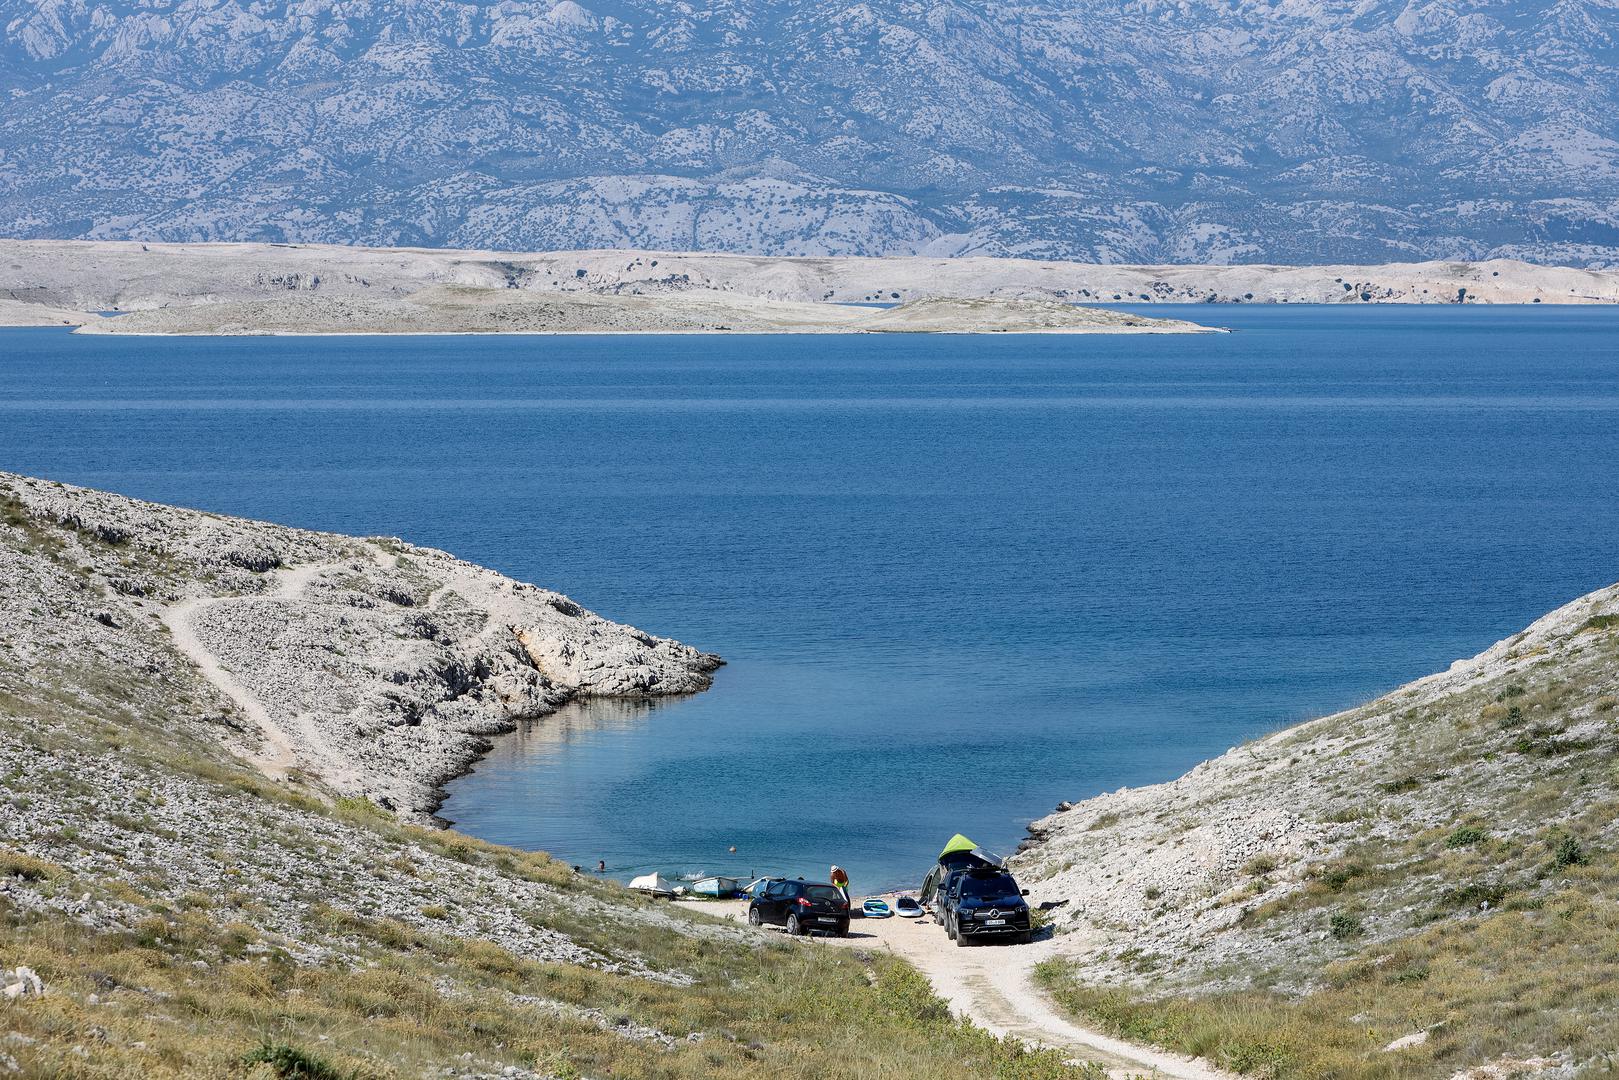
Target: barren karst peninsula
<point>376,666</point>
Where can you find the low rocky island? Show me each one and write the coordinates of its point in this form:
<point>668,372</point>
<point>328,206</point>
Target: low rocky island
<point>460,309</point>
<point>250,288</point>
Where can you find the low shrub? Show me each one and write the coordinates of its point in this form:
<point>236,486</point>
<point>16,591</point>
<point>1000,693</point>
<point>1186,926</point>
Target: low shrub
<point>291,1063</point>
<point>1567,851</point>
<point>1345,926</point>
<point>360,806</point>
<point>1260,865</point>
<point>1546,742</point>
<point>1473,894</point>
<point>1337,876</point>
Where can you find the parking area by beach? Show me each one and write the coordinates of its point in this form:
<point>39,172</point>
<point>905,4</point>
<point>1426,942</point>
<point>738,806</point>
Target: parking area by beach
<point>992,986</point>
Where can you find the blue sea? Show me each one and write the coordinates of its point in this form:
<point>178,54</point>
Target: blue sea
<point>957,579</point>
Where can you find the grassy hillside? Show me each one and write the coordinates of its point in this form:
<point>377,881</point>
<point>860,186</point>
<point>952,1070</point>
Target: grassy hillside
<point>1439,863</point>
<point>190,917</point>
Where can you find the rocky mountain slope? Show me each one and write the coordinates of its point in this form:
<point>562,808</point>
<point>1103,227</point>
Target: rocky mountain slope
<point>1432,864</point>
<point>351,284</point>
<point>192,887</point>
<point>1144,131</point>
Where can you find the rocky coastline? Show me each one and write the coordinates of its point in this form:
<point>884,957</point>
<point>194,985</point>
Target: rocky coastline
<point>375,667</point>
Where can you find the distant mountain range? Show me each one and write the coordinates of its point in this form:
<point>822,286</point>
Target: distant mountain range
<point>1146,131</point>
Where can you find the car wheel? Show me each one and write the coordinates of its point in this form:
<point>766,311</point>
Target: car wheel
<point>793,926</point>
<point>949,928</point>
<point>754,918</point>
<point>1025,937</point>
<point>843,930</point>
<point>961,939</point>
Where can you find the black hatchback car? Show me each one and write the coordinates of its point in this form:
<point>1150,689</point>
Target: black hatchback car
<point>984,904</point>
<point>801,906</point>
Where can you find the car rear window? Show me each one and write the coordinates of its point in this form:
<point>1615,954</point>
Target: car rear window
<point>823,892</point>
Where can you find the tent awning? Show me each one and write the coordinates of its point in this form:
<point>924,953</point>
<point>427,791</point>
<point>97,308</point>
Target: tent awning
<point>957,843</point>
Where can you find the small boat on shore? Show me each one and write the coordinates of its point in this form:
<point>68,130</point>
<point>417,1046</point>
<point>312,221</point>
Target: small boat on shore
<point>875,908</point>
<point>716,887</point>
<point>653,884</point>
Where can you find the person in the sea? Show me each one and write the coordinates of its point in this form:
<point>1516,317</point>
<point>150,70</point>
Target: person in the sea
<point>840,878</point>
<point>601,866</point>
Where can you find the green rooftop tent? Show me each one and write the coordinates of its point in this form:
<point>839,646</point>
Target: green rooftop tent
<point>959,852</point>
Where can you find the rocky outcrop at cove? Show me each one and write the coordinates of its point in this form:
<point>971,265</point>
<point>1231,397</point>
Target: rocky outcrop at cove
<point>374,666</point>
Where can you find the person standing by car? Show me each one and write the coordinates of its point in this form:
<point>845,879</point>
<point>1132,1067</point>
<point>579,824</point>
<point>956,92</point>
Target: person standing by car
<point>840,877</point>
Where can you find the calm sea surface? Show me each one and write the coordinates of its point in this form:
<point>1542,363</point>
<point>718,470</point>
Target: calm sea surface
<point>957,579</point>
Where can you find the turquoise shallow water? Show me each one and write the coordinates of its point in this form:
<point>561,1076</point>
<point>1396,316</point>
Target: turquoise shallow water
<point>958,579</point>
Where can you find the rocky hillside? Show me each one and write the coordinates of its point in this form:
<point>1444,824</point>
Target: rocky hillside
<point>1142,131</point>
<point>195,886</point>
<point>1429,865</point>
<point>374,666</point>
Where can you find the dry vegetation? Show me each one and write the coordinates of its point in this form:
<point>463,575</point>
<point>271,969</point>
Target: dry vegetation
<point>1538,977</point>
<point>187,993</point>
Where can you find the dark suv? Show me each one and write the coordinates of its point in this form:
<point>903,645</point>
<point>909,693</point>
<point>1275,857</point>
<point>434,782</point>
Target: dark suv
<point>983,904</point>
<point>801,906</point>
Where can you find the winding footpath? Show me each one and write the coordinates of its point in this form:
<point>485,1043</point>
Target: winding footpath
<point>280,751</point>
<point>278,755</point>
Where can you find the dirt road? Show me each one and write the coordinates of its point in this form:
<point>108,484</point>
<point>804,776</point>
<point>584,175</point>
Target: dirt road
<point>992,985</point>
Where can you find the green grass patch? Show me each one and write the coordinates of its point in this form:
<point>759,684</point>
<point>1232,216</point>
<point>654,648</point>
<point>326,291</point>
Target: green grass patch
<point>290,1063</point>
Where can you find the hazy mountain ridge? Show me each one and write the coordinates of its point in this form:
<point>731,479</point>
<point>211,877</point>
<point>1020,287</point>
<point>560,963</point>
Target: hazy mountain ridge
<point>1150,131</point>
